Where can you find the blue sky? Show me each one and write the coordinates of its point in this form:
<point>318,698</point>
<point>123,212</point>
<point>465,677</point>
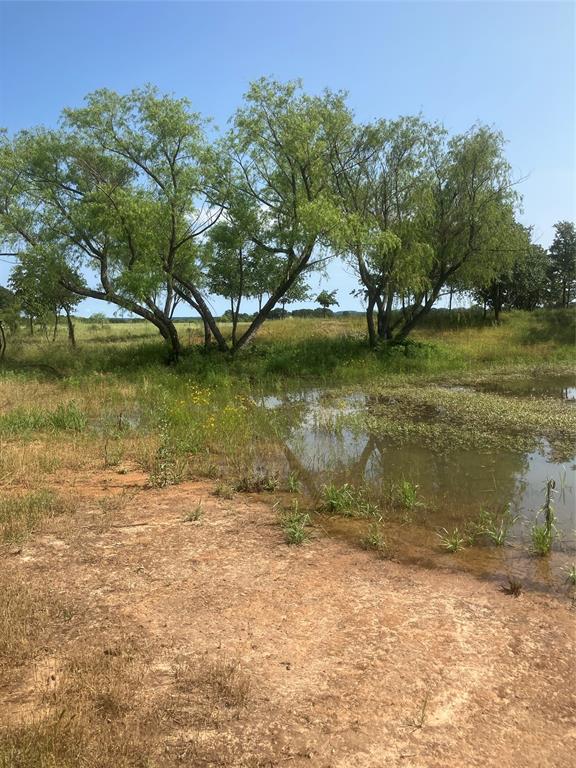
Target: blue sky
<point>511,64</point>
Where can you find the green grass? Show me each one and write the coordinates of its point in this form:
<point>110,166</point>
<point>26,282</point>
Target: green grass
<point>195,514</point>
<point>493,527</point>
<point>115,396</point>
<point>404,493</point>
<point>66,417</point>
<point>295,524</point>
<point>347,501</point>
<point>374,539</point>
<point>452,541</point>
<point>570,571</point>
<point>332,351</point>
<point>542,537</point>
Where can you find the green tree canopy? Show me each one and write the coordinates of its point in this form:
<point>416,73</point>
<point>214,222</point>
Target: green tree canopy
<point>562,270</point>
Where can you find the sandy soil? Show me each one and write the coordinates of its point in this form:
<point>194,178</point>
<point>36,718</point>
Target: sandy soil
<point>349,661</point>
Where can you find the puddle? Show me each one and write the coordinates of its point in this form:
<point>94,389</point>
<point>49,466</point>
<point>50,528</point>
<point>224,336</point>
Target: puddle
<point>453,485</point>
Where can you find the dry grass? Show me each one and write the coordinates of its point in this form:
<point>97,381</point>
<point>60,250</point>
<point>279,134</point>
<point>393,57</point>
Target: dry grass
<point>91,717</point>
<point>96,715</point>
<point>209,690</point>
<point>27,619</point>
<point>23,514</point>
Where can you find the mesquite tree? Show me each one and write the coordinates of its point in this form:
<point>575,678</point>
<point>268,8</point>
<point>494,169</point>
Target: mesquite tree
<point>562,270</point>
<point>420,212</point>
<point>272,177</point>
<point>37,282</point>
<point>135,207</point>
<point>112,190</point>
<point>382,195</point>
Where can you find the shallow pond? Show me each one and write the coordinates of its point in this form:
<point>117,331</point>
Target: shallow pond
<point>453,485</point>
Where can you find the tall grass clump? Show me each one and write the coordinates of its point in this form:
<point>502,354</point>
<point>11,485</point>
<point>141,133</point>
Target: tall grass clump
<point>167,467</point>
<point>347,501</point>
<point>543,534</point>
<point>22,515</point>
<point>451,541</point>
<point>570,571</point>
<point>374,539</point>
<point>338,500</point>
<point>493,527</point>
<point>294,524</point>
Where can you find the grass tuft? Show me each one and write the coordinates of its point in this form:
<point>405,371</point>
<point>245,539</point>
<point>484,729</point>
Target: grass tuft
<point>294,524</point>
<point>452,541</point>
<point>22,515</point>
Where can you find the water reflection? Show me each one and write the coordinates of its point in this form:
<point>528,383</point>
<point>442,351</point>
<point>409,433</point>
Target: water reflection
<point>453,485</point>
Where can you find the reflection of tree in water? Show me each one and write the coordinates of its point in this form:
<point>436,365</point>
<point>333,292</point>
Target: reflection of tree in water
<point>454,486</point>
<point>458,482</point>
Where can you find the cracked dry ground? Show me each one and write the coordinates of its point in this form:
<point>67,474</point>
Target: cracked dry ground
<point>213,643</point>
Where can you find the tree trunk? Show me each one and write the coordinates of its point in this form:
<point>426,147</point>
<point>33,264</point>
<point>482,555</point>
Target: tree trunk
<point>56,318</point>
<point>234,320</point>
<point>380,316</point>
<point>419,311</point>
<point>207,334</point>
<point>201,307</point>
<point>275,297</point>
<point>385,317</point>
<point>174,341</point>
<point>71,335</point>
<point>31,326</point>
<point>2,341</point>
<point>370,323</point>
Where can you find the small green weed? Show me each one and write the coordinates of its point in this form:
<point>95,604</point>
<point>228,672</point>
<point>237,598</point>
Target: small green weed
<point>167,467</point>
<point>374,539</point>
<point>347,501</point>
<point>543,535</point>
<point>405,494</point>
<point>294,484</point>
<point>495,527</point>
<point>194,514</point>
<point>257,481</point>
<point>113,453</point>
<point>223,490</point>
<point>570,571</point>
<point>294,524</point>
<point>339,500</point>
<point>452,541</point>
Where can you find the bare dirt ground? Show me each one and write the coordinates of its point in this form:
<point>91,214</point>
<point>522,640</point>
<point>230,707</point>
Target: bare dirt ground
<point>243,651</point>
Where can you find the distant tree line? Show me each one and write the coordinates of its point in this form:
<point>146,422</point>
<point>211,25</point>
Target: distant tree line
<point>130,191</point>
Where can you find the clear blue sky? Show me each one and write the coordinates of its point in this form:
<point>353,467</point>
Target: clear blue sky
<point>511,64</point>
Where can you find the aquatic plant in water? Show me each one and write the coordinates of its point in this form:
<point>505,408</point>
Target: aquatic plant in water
<point>543,534</point>
<point>452,541</point>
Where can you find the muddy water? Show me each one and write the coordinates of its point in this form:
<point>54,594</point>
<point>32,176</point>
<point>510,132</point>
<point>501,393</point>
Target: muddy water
<point>453,486</point>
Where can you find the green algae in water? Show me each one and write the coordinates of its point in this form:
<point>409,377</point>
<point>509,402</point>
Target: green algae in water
<point>447,418</point>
